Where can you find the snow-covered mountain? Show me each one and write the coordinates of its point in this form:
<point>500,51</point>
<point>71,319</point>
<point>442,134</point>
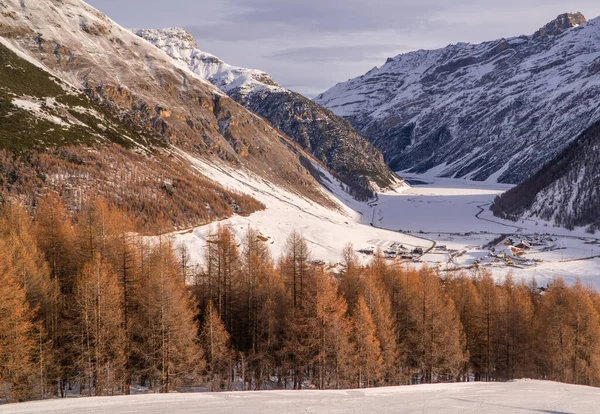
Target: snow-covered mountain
<point>147,92</point>
<point>181,45</point>
<point>328,137</point>
<point>565,191</point>
<point>88,108</point>
<point>498,110</point>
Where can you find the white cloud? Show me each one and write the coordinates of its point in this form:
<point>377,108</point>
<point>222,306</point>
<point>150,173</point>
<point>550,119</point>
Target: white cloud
<point>313,44</point>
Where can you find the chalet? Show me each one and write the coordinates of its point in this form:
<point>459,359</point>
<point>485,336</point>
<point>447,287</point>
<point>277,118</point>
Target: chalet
<point>524,245</point>
<point>513,251</point>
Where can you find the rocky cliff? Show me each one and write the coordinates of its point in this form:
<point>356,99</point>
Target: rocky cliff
<point>328,137</point>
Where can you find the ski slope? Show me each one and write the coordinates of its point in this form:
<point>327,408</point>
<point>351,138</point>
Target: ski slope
<point>522,396</point>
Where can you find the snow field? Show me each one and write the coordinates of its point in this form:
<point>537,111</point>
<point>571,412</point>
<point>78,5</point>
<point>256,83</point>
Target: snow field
<point>326,231</point>
<point>522,396</point>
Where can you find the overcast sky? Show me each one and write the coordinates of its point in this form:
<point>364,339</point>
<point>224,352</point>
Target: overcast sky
<point>310,45</point>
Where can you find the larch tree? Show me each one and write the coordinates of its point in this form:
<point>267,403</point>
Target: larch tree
<point>261,309</point>
<point>169,334</point>
<point>485,357</point>
<point>465,297</point>
<point>379,304</point>
<point>55,237</point>
<point>295,267</point>
<point>18,344</point>
<point>350,276</point>
<point>433,349</point>
<point>216,344</point>
<point>517,333</point>
<point>331,329</point>
<point>298,276</point>
<point>570,334</point>
<point>222,266</point>
<point>369,364</point>
<point>99,329</point>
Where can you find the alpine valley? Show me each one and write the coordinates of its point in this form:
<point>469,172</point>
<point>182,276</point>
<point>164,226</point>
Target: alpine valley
<point>170,222</point>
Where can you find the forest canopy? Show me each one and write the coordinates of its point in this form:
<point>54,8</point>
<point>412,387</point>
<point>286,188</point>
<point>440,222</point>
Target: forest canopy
<point>90,308</point>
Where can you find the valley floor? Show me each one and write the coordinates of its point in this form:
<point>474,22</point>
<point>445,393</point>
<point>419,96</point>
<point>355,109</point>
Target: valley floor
<point>454,215</point>
<point>444,223</point>
<point>522,396</point>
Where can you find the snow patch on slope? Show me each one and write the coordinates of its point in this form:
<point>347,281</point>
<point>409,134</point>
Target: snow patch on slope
<point>327,231</point>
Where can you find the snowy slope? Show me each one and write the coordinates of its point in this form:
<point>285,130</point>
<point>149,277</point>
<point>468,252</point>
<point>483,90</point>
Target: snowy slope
<point>497,110</point>
<point>522,396</point>
<point>181,46</point>
<point>326,230</point>
<point>329,138</point>
<point>565,191</point>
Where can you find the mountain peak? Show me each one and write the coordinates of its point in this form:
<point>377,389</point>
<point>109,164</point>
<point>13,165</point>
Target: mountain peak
<point>563,22</point>
<point>172,35</point>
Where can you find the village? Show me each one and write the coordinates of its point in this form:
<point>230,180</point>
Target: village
<point>460,253</point>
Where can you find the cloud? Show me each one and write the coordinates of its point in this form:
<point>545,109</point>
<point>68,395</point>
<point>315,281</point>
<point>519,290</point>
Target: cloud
<point>310,45</point>
<point>358,53</point>
<point>338,15</point>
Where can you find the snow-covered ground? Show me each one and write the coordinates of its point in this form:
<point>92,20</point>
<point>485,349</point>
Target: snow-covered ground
<point>455,213</point>
<point>327,231</point>
<point>522,396</point>
<point>449,219</point>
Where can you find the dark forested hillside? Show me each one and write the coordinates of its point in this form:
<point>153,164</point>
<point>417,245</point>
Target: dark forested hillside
<point>565,191</point>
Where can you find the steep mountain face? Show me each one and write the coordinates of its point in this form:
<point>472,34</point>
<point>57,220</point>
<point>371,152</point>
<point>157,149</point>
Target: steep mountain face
<point>158,110</point>
<point>54,137</point>
<point>494,111</point>
<point>328,137</point>
<point>565,191</point>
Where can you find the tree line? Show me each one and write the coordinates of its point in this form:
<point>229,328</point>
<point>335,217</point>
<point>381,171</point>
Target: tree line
<point>88,307</point>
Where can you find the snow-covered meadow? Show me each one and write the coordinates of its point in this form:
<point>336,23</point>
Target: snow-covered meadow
<point>522,396</point>
<point>449,219</point>
<point>327,231</point>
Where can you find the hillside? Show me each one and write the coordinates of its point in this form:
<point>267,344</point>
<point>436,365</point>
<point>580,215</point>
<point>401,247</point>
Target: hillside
<point>328,137</point>
<point>54,137</point>
<point>517,396</point>
<point>153,109</point>
<point>565,191</point>
<point>494,111</point>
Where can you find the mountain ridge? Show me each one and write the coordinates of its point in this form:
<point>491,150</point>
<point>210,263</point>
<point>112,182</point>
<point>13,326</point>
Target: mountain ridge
<point>146,91</point>
<point>329,138</point>
<point>479,111</point>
